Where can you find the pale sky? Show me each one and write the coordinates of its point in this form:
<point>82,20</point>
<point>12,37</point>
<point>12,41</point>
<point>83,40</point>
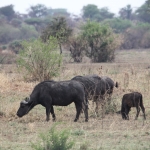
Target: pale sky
<point>74,7</point>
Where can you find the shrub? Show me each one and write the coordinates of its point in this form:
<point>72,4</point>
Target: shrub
<point>137,36</point>
<point>101,41</point>
<point>77,48</point>
<point>41,61</point>
<point>7,58</point>
<point>8,33</point>
<point>78,132</point>
<point>4,47</point>
<point>16,22</point>
<point>84,146</point>
<point>54,140</point>
<point>28,32</point>
<point>15,46</point>
<point>110,108</point>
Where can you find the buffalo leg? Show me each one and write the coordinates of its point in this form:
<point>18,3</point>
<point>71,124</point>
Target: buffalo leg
<point>48,110</point>
<point>124,116</point>
<point>97,101</point>
<point>78,109</point>
<point>126,113</point>
<point>138,111</point>
<point>53,114</point>
<point>85,109</point>
<point>143,110</point>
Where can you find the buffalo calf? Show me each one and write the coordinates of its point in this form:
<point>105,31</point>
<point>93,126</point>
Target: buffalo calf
<point>129,100</point>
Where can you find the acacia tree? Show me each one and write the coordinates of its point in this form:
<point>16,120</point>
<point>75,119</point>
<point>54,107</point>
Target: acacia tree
<point>90,11</point>
<point>105,14</point>
<point>8,11</point>
<point>126,12</point>
<point>143,12</point>
<point>38,10</point>
<point>101,41</point>
<point>59,29</point>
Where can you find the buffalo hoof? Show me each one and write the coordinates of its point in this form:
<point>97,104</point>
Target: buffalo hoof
<point>47,119</point>
<point>75,120</point>
<point>86,120</point>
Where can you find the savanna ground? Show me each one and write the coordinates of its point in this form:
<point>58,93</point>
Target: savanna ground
<point>131,69</point>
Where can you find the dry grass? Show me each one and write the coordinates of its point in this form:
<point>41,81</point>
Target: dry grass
<point>111,132</point>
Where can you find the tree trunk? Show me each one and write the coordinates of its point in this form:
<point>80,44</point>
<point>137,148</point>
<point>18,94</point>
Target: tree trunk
<point>60,48</point>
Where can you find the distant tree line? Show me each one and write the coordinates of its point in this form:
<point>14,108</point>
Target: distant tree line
<point>97,33</point>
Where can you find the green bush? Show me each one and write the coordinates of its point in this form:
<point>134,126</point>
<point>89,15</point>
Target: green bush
<point>8,33</point>
<point>137,36</point>
<point>4,47</point>
<point>16,22</point>
<point>15,46</point>
<point>78,132</point>
<point>7,58</point>
<point>54,140</point>
<point>101,41</point>
<point>28,32</point>
<point>84,146</point>
<point>41,61</point>
<point>108,106</point>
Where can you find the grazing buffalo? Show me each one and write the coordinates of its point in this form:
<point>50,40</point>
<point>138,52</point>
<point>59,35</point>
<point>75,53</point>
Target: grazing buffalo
<point>96,87</point>
<point>50,93</point>
<point>108,85</point>
<point>129,100</point>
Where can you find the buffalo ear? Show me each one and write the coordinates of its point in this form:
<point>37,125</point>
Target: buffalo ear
<point>27,99</point>
<point>118,112</point>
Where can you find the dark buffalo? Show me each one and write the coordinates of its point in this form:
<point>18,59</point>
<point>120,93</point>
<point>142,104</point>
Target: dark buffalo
<point>108,85</point>
<point>129,100</point>
<point>50,93</point>
<point>96,87</point>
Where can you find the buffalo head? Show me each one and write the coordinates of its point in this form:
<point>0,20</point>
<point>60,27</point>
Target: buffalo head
<point>25,107</point>
<point>122,114</point>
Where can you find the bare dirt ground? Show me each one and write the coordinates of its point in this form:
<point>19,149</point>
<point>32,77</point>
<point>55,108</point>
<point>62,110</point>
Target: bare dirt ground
<point>131,69</point>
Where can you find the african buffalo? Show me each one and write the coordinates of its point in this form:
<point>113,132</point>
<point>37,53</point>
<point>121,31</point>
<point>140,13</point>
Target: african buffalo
<point>129,100</point>
<point>97,87</point>
<point>108,85</point>
<point>61,93</point>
